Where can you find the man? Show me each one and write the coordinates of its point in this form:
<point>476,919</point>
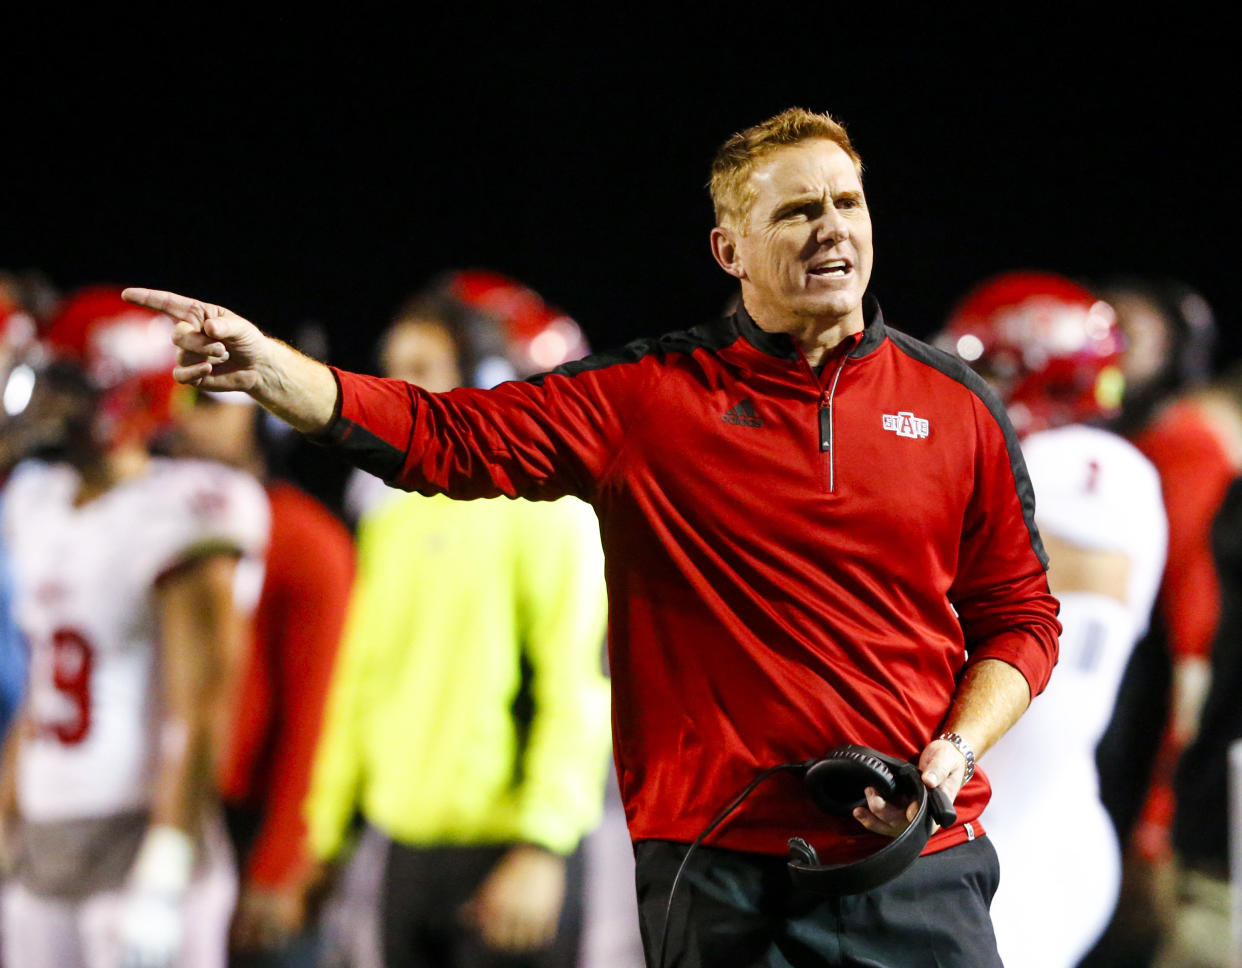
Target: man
<point>808,519</point>
<point>277,698</point>
<point>1204,928</point>
<point>127,577</point>
<point>1196,444</point>
<point>1052,349</point>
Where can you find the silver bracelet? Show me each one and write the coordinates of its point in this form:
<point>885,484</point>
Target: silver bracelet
<point>964,748</point>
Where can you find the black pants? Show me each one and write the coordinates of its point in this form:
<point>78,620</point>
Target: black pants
<point>740,910</point>
<point>422,890</point>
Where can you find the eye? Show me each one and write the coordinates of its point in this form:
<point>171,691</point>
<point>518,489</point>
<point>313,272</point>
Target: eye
<point>848,201</point>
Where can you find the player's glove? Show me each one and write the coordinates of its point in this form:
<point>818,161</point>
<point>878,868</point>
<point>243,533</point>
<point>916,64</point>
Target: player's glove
<point>153,915</point>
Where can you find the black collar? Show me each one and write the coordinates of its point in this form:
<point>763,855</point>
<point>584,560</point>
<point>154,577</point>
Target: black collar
<point>781,345</point>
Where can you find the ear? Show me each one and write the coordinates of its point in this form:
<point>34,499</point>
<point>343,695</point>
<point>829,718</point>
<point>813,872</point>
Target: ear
<point>725,251</point>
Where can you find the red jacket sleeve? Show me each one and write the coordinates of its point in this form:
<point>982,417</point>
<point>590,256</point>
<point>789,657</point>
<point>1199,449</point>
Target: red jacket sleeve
<point>543,439</point>
<point>1001,590</point>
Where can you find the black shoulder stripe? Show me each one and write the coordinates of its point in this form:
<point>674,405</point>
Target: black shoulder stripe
<point>362,448</point>
<point>713,336</point>
<point>955,369</point>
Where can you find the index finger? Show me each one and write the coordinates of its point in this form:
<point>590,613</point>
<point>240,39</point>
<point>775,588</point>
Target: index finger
<point>176,306</point>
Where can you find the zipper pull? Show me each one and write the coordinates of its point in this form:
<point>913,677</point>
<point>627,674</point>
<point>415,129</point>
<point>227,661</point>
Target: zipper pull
<point>825,425</point>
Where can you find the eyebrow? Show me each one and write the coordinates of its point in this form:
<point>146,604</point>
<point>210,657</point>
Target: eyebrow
<point>792,204</point>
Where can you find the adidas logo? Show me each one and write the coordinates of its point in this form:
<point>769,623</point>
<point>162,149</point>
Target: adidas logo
<point>743,414</point>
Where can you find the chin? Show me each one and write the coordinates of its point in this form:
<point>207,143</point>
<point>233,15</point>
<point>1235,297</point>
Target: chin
<point>837,306</point>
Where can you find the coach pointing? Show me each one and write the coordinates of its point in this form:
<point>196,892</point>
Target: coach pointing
<point>855,561</point>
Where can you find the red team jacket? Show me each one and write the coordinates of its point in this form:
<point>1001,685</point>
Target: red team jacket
<point>265,767</point>
<point>794,561</point>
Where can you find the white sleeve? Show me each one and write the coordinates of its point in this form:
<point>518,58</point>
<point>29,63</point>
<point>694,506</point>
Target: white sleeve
<point>213,508</point>
<point>1092,488</point>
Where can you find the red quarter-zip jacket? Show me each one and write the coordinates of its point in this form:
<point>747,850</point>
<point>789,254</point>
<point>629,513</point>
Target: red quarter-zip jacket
<point>794,561</point>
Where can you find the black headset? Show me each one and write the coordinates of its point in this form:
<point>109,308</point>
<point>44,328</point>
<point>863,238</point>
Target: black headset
<point>838,783</point>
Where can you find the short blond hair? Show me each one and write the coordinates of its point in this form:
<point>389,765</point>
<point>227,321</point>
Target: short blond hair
<point>732,194</point>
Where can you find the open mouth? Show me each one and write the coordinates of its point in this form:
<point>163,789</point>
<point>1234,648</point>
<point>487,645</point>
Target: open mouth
<point>837,267</point>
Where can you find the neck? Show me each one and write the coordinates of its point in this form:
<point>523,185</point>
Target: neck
<point>815,336</point>
<point>111,468</point>
<point>818,341</point>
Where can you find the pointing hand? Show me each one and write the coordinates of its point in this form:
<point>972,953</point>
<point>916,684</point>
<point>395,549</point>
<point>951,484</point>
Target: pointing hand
<point>216,348</point>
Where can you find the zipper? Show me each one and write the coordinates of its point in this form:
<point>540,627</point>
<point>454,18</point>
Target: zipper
<point>826,443</point>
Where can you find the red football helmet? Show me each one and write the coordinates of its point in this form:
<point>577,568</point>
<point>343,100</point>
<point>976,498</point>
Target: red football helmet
<point>539,337</point>
<point>1049,347</point>
<point>126,356</point>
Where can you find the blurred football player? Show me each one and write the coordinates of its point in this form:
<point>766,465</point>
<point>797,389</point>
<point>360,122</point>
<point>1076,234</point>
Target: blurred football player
<point>1051,350</point>
<point>130,572</point>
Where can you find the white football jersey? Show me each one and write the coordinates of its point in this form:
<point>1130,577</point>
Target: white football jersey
<point>1096,491</point>
<point>84,580</point>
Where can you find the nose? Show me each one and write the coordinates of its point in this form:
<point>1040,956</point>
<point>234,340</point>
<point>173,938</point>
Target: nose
<point>832,227</point>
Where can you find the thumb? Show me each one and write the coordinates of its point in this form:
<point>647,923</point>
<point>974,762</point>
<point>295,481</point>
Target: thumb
<point>937,765</point>
<point>222,327</point>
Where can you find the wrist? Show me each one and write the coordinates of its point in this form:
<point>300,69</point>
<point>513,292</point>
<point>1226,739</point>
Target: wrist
<point>963,747</point>
<point>269,367</point>
<point>165,861</point>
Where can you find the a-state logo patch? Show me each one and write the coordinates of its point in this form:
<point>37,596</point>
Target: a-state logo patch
<point>905,424</point>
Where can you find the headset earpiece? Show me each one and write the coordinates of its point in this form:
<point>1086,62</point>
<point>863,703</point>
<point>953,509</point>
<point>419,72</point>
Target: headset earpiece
<point>837,783</point>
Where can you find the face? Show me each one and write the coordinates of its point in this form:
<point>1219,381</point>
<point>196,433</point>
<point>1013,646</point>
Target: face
<point>421,352</point>
<point>805,253</point>
<point>1148,339</point>
<point>217,430</point>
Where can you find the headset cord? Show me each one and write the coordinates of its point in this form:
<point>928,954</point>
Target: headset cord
<point>720,818</point>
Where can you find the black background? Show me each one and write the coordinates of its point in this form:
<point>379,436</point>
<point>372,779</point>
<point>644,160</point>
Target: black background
<point>319,171</point>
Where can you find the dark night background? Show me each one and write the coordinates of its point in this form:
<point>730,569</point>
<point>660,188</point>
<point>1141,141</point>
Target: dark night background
<point>325,175</point>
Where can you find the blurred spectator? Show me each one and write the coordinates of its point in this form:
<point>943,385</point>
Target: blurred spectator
<point>17,336</point>
<point>1170,335</point>
<point>28,292</point>
<point>1051,349</point>
<point>1207,713</point>
<point>468,717</point>
<point>1195,440</point>
<point>128,592</point>
<point>12,646</point>
<point>278,696</point>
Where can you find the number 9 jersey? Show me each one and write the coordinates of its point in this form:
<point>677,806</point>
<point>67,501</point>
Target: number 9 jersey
<point>85,579</point>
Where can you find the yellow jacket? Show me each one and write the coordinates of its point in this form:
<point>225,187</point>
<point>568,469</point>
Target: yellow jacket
<point>419,730</point>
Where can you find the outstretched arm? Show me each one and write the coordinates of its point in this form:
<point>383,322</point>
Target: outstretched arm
<point>219,350</point>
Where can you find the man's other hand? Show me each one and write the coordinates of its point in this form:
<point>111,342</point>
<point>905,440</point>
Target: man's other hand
<point>518,905</point>
<point>882,817</point>
<point>216,348</point>
<point>942,766</point>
